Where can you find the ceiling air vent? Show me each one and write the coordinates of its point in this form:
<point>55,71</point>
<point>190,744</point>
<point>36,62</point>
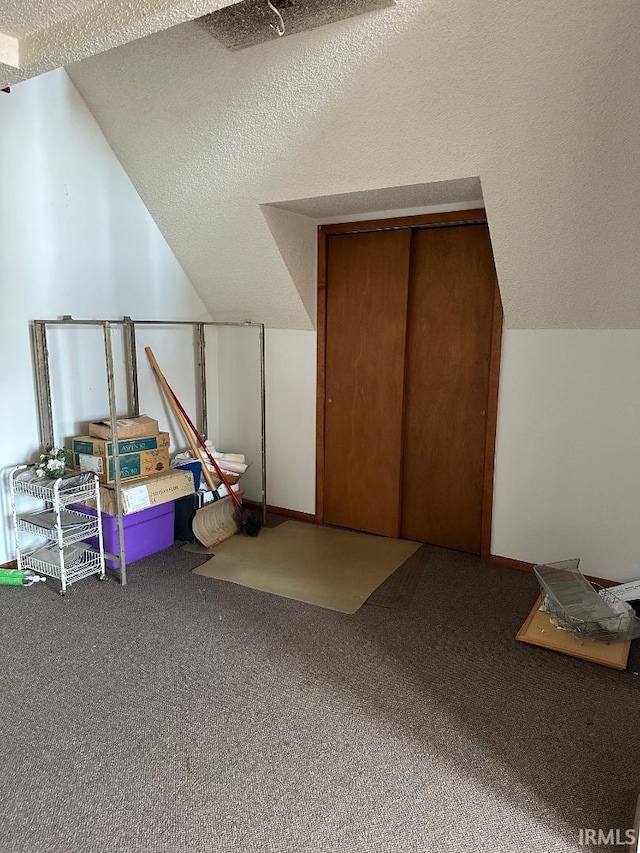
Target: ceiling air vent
<point>254,21</point>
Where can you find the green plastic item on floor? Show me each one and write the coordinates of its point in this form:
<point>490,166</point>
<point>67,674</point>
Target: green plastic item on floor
<point>18,577</point>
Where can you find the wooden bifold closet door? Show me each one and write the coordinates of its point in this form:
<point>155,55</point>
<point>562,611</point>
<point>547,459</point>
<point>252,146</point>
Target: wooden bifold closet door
<point>409,316</point>
<point>449,324</point>
<point>368,277</point>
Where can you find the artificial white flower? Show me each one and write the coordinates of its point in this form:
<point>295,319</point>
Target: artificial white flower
<point>53,463</point>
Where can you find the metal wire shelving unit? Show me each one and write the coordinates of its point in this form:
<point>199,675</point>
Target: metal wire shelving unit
<point>45,410</point>
<point>65,556</point>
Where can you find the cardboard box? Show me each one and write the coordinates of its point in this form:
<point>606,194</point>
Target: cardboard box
<point>132,465</point>
<point>127,427</point>
<point>152,491</point>
<point>91,446</point>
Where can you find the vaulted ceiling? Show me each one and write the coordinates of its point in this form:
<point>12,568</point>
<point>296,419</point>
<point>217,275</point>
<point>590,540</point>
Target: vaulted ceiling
<point>238,154</point>
<point>38,35</point>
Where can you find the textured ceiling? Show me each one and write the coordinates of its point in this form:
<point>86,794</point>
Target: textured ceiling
<point>36,36</point>
<point>460,191</point>
<point>252,21</point>
<point>537,98</point>
<point>22,17</point>
<point>294,223</point>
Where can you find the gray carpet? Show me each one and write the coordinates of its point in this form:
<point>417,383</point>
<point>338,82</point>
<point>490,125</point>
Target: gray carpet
<point>184,714</point>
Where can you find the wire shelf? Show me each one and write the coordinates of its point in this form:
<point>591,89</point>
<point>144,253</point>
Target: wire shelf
<point>78,563</point>
<point>70,489</point>
<point>66,557</point>
<point>77,533</point>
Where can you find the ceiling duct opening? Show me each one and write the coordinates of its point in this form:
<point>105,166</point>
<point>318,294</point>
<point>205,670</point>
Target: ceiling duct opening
<point>254,21</point>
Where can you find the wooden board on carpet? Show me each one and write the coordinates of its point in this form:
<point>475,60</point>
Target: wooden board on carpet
<point>538,631</point>
<point>396,593</point>
<point>336,569</point>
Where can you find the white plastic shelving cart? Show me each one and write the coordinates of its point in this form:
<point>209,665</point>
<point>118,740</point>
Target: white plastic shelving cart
<point>64,555</point>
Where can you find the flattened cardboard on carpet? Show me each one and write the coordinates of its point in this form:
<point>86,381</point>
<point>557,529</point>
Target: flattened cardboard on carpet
<point>336,569</point>
<point>538,631</point>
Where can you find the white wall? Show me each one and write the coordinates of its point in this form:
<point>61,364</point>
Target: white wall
<point>239,402</point>
<point>536,97</point>
<point>290,379</point>
<point>76,239</point>
<point>568,450</point>
<point>291,418</point>
<point>567,480</point>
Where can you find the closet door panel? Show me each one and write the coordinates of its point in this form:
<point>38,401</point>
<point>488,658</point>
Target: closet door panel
<point>451,292</point>
<point>367,288</point>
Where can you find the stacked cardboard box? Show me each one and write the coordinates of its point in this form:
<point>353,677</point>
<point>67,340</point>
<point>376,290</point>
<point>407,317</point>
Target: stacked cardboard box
<point>149,487</point>
<point>143,450</point>
<point>127,427</point>
<point>148,492</point>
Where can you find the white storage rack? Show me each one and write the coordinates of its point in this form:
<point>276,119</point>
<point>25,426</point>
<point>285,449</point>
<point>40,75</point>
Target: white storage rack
<point>43,390</point>
<point>65,556</point>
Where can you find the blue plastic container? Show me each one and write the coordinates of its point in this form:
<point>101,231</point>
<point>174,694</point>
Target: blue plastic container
<point>192,465</point>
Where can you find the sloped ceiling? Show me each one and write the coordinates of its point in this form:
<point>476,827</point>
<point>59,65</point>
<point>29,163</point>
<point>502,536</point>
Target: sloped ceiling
<point>412,197</point>
<point>250,22</point>
<point>38,35</point>
<point>539,99</point>
<point>294,222</point>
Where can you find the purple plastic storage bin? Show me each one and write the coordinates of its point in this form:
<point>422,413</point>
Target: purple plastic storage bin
<point>145,532</point>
